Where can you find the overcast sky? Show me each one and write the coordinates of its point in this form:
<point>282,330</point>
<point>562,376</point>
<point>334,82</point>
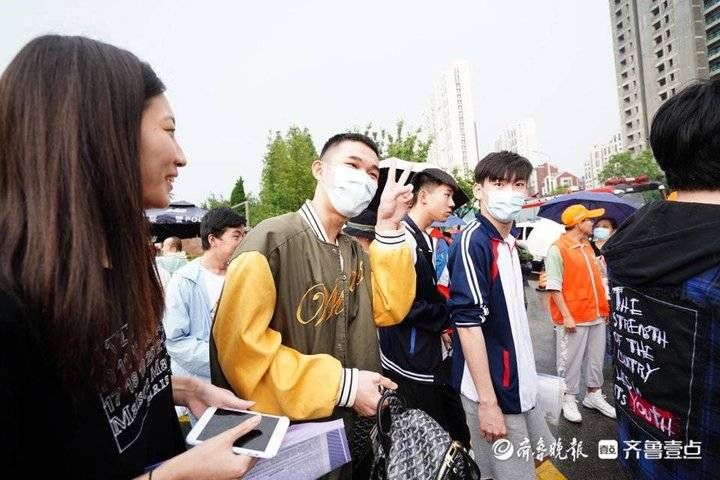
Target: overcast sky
<point>237,71</point>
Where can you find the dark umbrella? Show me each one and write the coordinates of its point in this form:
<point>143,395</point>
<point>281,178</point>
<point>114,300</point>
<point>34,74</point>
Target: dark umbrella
<point>615,207</point>
<point>179,219</point>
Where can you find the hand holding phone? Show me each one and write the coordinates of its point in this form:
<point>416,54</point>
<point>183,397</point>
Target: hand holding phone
<point>214,458</point>
<point>263,441</point>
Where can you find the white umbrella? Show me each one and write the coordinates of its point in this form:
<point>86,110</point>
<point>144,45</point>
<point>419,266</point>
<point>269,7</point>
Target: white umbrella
<point>544,233</point>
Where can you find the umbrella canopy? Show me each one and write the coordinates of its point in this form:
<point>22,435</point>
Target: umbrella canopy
<point>544,233</point>
<point>451,222</point>
<point>615,207</point>
<point>179,219</point>
<point>176,212</point>
<point>415,167</point>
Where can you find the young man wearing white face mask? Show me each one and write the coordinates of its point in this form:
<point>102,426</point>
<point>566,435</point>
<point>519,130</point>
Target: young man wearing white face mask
<point>493,360</point>
<point>295,329</point>
<point>411,353</point>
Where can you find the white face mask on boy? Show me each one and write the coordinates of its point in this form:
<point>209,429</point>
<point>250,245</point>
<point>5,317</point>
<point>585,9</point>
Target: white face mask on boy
<point>350,190</point>
<point>504,205</point>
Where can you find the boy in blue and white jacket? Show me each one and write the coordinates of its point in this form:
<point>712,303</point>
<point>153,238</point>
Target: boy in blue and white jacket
<point>493,363</point>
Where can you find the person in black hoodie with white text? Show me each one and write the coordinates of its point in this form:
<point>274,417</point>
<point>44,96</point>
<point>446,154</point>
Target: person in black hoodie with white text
<point>664,269</point>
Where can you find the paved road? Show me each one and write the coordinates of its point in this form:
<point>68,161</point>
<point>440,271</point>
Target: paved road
<point>594,426</point>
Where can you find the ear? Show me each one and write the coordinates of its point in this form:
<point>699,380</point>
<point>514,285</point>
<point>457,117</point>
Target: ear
<point>317,168</point>
<point>421,196</point>
<point>478,192</point>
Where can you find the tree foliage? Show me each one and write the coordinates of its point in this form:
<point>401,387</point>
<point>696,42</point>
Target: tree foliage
<point>628,165</point>
<point>464,181</point>
<point>287,179</point>
<point>238,192</point>
<point>215,201</point>
<point>402,144</point>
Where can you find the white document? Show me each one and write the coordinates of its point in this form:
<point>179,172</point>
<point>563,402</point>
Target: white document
<point>308,451</point>
<point>551,390</point>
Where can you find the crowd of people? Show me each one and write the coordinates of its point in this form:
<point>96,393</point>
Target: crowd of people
<point>313,314</point>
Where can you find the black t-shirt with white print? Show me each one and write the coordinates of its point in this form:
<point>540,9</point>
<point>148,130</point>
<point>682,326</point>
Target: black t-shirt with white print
<point>49,431</point>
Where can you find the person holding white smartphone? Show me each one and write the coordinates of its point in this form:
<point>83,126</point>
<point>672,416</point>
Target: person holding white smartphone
<point>87,144</point>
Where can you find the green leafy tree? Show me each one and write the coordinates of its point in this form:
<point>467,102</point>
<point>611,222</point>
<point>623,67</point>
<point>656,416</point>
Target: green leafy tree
<point>628,165</point>
<point>215,201</point>
<point>466,181</point>
<point>238,192</point>
<point>402,144</point>
<point>287,179</point>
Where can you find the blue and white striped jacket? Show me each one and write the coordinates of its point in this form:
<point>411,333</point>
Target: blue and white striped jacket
<point>486,291</point>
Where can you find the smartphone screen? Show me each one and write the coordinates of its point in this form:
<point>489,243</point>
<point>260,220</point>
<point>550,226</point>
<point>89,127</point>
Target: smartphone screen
<point>224,420</point>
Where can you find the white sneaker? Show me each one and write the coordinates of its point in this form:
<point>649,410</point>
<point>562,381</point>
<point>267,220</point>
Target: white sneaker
<point>597,401</point>
<point>570,409</point>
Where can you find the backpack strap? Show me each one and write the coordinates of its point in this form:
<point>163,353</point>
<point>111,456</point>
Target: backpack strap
<point>389,403</point>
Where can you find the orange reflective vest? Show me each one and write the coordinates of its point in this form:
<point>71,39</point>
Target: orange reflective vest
<point>582,289</point>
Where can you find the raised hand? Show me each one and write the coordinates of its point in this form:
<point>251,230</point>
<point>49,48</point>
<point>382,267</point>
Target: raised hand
<point>394,201</point>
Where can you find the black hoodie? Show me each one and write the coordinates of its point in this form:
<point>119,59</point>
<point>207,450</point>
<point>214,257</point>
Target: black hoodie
<point>664,244</point>
<point>665,333</point>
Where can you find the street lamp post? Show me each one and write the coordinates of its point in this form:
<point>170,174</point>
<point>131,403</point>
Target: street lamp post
<point>247,210</point>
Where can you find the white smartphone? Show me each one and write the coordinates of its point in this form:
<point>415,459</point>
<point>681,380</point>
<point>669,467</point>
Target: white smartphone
<point>262,442</point>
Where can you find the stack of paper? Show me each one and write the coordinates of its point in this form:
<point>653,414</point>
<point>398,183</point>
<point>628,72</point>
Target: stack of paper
<point>308,451</point>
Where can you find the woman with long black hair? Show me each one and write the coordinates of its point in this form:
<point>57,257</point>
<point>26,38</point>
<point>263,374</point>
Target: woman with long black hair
<point>86,144</point>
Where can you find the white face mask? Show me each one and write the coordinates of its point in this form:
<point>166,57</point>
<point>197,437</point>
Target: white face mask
<point>504,205</point>
<point>601,233</point>
<point>351,190</point>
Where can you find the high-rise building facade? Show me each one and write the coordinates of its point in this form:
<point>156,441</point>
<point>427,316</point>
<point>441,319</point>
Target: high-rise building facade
<point>660,46</point>
<point>521,138</point>
<point>450,121</point>
<point>599,156</point>
<point>712,35</point>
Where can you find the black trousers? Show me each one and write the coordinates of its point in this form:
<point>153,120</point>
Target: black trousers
<point>438,400</point>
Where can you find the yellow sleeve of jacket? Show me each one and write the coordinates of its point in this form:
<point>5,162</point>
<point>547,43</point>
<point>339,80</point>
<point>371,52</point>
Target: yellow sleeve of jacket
<point>392,265</point>
<point>279,379</point>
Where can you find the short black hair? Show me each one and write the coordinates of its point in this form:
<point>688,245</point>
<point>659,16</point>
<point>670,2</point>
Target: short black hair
<point>613,222</point>
<point>422,179</point>
<point>503,165</point>
<point>685,137</point>
<point>350,137</point>
<point>216,221</point>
